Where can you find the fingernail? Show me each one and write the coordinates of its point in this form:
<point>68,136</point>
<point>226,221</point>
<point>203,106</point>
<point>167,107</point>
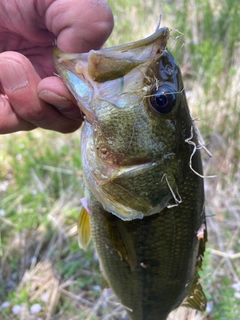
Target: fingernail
<point>12,75</point>
<point>59,102</point>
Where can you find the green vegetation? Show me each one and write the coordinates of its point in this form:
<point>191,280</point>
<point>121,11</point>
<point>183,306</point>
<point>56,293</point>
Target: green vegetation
<point>41,178</point>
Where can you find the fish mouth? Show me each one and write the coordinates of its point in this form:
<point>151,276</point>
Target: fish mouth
<point>92,74</point>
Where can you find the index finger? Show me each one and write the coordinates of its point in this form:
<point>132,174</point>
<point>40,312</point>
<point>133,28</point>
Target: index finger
<point>79,25</point>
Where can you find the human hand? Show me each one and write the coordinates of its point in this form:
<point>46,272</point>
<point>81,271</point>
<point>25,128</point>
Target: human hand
<point>30,96</point>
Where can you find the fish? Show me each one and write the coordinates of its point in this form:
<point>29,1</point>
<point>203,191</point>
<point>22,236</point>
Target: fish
<point>144,188</point>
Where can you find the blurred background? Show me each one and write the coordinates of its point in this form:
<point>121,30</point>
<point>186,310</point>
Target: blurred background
<point>43,273</point>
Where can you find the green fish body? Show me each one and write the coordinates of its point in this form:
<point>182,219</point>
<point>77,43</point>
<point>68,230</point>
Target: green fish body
<point>143,172</point>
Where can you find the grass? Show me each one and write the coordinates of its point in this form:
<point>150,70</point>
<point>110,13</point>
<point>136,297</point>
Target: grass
<point>41,179</point>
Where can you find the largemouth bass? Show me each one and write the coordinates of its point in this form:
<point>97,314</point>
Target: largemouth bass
<point>144,205</point>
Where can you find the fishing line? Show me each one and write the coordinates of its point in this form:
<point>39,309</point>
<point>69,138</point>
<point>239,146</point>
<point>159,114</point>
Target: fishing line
<point>165,93</point>
<point>176,38</point>
<point>178,201</point>
<point>200,138</point>
<point>195,148</point>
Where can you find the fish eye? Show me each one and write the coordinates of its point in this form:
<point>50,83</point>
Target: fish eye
<point>163,99</point>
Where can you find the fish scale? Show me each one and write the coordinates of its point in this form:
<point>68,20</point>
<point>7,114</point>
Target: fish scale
<point>164,242</point>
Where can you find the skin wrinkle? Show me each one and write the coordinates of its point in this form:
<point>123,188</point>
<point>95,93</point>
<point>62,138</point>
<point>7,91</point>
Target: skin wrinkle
<point>5,11</point>
<point>30,32</point>
<point>16,24</point>
<point>5,109</point>
<point>33,21</point>
<point>44,68</point>
<point>4,103</point>
<point>41,7</point>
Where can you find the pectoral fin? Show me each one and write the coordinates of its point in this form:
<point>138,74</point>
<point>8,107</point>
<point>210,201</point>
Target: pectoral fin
<point>122,240</point>
<point>196,298</point>
<point>84,231</point>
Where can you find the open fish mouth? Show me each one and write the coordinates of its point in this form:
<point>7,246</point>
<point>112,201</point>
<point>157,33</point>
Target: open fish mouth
<point>100,73</point>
